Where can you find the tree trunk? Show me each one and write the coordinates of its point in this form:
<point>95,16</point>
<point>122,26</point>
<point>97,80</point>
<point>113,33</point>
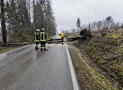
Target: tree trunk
<point>3,24</point>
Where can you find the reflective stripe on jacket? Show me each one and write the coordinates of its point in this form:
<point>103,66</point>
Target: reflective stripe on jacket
<point>62,35</point>
<point>42,37</point>
<point>37,36</point>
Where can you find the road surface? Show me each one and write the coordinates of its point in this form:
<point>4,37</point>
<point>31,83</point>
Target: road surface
<point>27,69</point>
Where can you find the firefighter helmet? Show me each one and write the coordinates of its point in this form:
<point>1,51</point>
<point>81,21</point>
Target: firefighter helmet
<point>37,30</point>
<point>42,29</point>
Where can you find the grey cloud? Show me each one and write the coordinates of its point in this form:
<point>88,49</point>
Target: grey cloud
<point>67,11</point>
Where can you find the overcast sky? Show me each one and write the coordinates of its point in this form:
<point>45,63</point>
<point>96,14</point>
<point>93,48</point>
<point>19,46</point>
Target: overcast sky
<point>67,11</point>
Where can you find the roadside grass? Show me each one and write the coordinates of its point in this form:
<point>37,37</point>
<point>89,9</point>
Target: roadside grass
<point>117,71</point>
<point>106,54</point>
<point>88,76</point>
<point>7,49</point>
<point>12,46</point>
<point>115,35</point>
<point>101,49</point>
<point>117,68</point>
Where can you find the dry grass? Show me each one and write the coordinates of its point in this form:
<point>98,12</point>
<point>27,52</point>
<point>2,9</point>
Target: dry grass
<point>89,78</point>
<point>106,54</point>
<point>3,50</point>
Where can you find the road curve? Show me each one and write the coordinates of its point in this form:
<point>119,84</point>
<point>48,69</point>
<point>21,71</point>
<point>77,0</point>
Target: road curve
<point>27,69</point>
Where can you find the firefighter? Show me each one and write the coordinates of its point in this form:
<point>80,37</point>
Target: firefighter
<point>43,37</point>
<point>62,37</point>
<point>37,38</point>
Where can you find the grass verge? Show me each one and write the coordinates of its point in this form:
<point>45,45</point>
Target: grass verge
<point>89,78</point>
<point>3,50</point>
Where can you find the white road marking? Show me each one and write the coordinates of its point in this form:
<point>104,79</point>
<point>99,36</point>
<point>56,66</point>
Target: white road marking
<point>72,71</point>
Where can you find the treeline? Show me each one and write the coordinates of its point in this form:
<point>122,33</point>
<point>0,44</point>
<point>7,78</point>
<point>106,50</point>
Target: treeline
<point>24,16</point>
<point>107,23</point>
<point>43,16</point>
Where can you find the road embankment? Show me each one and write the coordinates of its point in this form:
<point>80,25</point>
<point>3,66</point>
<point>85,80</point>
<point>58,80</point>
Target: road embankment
<point>88,76</point>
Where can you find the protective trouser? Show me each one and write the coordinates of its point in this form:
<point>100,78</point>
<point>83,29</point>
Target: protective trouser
<point>43,40</point>
<point>37,39</point>
<point>43,45</point>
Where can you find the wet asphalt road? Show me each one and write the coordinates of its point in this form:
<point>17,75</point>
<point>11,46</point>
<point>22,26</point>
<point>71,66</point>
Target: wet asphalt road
<point>27,69</point>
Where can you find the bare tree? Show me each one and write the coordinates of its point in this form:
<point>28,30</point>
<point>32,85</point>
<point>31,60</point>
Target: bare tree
<point>109,20</point>
<point>99,25</point>
<point>89,26</point>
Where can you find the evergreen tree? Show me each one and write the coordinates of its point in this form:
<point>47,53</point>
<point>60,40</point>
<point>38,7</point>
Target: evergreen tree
<point>78,23</point>
<point>43,16</point>
<point>19,18</point>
